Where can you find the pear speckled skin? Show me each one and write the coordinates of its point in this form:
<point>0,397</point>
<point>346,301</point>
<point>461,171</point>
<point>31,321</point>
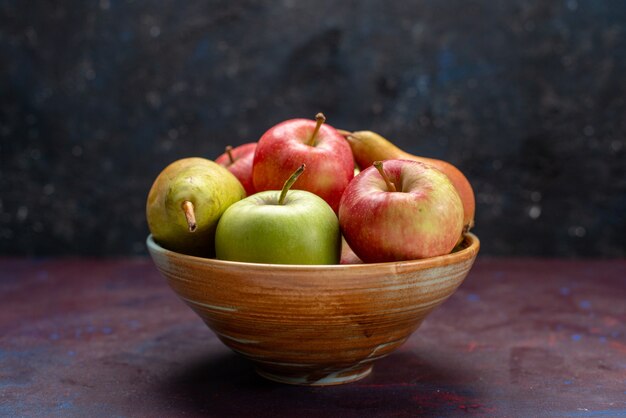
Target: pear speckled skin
<point>368,146</point>
<point>211,189</point>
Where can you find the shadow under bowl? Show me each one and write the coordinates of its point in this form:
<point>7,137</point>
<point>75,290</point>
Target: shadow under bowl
<point>314,325</point>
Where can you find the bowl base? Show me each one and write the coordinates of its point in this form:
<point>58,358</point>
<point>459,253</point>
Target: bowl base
<point>339,377</point>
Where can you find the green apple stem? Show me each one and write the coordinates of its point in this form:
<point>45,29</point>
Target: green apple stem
<point>190,215</point>
<point>229,151</point>
<point>290,183</point>
<point>319,120</point>
<point>379,167</point>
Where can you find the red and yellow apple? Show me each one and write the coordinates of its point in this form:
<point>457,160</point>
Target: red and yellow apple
<point>400,210</point>
<point>368,146</point>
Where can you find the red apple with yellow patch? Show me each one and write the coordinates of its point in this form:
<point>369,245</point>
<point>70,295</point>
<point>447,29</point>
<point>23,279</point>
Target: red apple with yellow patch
<point>401,210</point>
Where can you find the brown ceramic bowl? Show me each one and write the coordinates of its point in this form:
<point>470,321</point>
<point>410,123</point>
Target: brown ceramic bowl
<point>314,325</point>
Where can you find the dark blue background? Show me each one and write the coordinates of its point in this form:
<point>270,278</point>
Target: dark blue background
<point>526,97</point>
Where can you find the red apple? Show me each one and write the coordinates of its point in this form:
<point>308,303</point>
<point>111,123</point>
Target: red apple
<point>286,146</point>
<point>403,211</point>
<point>239,162</point>
<point>347,255</point>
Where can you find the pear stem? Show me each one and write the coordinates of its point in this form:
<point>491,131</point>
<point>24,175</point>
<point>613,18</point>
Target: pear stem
<point>379,167</point>
<point>190,215</point>
<point>229,151</point>
<point>290,181</point>
<point>319,120</point>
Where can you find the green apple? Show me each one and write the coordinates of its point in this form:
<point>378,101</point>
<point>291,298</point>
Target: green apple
<point>186,201</point>
<point>280,227</point>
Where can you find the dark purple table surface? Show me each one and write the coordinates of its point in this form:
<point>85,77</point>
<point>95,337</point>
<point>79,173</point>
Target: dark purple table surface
<point>108,338</point>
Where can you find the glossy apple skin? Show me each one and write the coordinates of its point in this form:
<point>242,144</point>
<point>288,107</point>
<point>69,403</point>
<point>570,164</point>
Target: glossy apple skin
<point>347,255</point>
<point>424,218</point>
<point>368,146</point>
<point>303,230</point>
<point>283,148</point>
<point>242,166</point>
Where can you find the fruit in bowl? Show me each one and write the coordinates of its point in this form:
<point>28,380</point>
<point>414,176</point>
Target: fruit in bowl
<point>285,290</point>
<point>314,325</point>
<point>239,162</point>
<point>325,152</point>
<point>281,227</point>
<point>368,146</point>
<point>400,210</point>
<point>186,201</point>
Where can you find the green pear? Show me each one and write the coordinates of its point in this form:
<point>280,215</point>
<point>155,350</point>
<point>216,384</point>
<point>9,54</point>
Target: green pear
<point>185,203</point>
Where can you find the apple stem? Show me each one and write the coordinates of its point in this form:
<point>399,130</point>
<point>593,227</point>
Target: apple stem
<point>290,181</point>
<point>229,151</point>
<point>190,215</point>
<point>379,167</point>
<point>319,120</point>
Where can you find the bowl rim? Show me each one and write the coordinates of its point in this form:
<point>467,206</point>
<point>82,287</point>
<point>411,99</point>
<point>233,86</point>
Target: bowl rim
<point>470,251</point>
